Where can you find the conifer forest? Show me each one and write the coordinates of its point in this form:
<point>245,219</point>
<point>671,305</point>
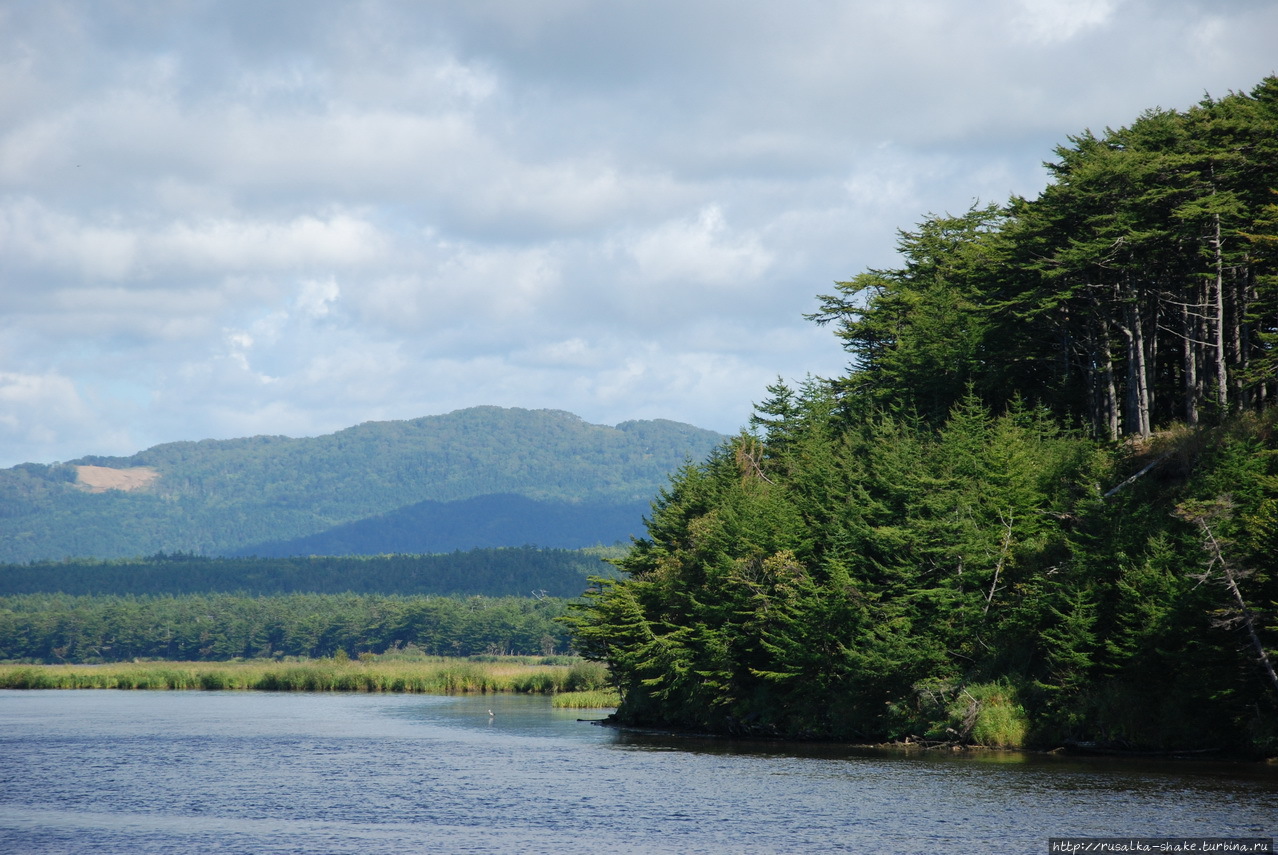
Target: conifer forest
<point>1040,506</point>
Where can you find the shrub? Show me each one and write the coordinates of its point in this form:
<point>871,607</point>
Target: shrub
<point>211,680</point>
<point>587,676</point>
<point>989,714</point>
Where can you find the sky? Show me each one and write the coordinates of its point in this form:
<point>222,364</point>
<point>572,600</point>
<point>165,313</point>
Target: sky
<point>223,218</point>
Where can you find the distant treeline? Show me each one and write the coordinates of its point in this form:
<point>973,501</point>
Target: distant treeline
<point>507,572</point>
<point>60,628</point>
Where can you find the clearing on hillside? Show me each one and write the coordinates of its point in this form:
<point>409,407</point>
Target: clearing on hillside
<point>99,479</point>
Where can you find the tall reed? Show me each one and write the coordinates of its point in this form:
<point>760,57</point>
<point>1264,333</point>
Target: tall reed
<point>594,699</point>
<point>434,676</point>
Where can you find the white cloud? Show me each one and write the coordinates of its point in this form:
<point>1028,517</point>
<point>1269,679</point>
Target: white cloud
<point>699,251</point>
<point>457,290</point>
<point>49,394</point>
<point>1053,21</point>
<point>44,415</point>
<point>567,353</point>
<point>110,311</point>
<point>32,234</point>
<point>316,297</point>
<point>213,225</point>
<point>417,80</point>
<point>114,248</point>
<point>251,244</point>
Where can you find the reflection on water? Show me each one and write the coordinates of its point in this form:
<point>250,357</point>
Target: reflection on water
<point>255,773</point>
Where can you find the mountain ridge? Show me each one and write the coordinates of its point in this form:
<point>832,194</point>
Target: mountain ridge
<point>219,496</point>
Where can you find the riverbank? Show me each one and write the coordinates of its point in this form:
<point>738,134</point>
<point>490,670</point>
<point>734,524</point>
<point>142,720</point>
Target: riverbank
<point>437,675</point>
<point>919,748</point>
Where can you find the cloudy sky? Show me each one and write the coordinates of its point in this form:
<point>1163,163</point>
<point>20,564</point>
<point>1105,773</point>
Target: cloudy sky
<point>226,218</point>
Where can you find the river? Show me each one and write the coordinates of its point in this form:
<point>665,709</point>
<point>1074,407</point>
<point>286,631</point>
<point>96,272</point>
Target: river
<point>137,773</point>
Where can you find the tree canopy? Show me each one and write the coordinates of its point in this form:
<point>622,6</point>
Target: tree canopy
<point>1137,289</point>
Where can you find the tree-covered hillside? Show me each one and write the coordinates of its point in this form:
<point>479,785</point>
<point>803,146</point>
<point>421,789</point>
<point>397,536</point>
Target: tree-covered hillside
<point>484,522</point>
<point>213,497</point>
<point>1041,506</point>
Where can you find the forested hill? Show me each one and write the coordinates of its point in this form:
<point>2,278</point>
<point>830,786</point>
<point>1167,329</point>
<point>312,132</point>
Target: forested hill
<point>222,496</point>
<point>1041,508</point>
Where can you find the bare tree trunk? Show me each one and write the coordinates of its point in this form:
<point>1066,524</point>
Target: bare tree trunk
<point>1242,291</point>
<point>1189,364</point>
<point>1108,390</point>
<point>1101,392</point>
<point>1231,584</point>
<point>1222,334</point>
<point>1137,410</point>
<point>1151,360</point>
<point>1093,386</point>
<point>1002,558</point>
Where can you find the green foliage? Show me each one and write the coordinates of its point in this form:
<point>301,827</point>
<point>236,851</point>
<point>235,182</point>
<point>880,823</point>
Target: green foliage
<point>799,590</point>
<point>1000,720</point>
<point>985,714</point>
<point>587,676</point>
<point>918,334</point>
<point>831,584</point>
<point>1136,289</point>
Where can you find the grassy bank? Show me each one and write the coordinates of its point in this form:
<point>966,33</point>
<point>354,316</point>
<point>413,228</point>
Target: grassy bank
<point>430,676</point>
<point>587,700</point>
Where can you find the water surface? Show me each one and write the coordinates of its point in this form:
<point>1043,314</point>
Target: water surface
<point>228,772</point>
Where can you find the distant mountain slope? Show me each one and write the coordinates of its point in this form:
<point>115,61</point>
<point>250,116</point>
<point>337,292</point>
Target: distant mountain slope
<point>222,496</point>
<point>501,519</point>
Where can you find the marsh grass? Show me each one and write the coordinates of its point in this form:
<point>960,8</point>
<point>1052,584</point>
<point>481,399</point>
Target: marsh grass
<point>594,699</point>
<point>428,676</point>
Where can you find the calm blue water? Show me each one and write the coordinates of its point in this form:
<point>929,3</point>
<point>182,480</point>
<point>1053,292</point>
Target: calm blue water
<point>222,772</point>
